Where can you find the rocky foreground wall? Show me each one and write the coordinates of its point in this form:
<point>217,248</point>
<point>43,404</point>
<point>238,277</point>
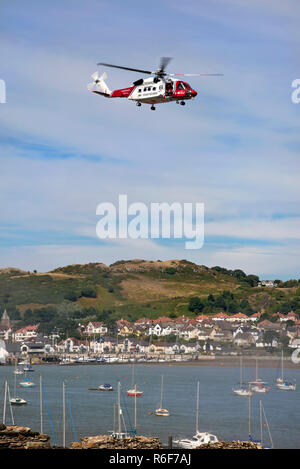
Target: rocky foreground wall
<point>109,442</point>
<point>16,437</point>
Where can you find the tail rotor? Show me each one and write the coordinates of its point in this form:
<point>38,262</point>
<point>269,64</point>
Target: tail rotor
<point>98,82</point>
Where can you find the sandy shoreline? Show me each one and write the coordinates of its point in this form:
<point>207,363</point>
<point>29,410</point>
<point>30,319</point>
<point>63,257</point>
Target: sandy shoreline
<point>248,362</point>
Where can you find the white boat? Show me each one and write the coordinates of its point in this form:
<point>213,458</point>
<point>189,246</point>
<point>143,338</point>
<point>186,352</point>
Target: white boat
<point>242,390</point>
<point>17,371</point>
<point>200,438</point>
<point>282,383</point>
<point>105,387</point>
<point>28,368</point>
<point>133,392</point>
<point>286,386</point>
<point>197,440</point>
<point>161,412</point>
<point>17,400</point>
<point>258,385</point>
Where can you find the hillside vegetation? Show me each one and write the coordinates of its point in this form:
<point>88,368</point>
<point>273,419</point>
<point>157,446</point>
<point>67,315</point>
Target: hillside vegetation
<point>138,288</point>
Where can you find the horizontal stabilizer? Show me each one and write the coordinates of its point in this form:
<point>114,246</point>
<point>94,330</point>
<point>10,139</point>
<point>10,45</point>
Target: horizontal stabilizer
<point>102,94</point>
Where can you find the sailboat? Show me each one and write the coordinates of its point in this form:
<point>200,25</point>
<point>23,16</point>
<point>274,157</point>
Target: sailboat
<point>17,400</point>
<point>258,385</point>
<point>17,371</point>
<point>121,434</point>
<point>28,367</point>
<point>161,411</point>
<point>7,394</point>
<point>262,412</point>
<point>26,383</point>
<point>200,438</point>
<point>133,391</point>
<point>242,390</point>
<point>282,383</point>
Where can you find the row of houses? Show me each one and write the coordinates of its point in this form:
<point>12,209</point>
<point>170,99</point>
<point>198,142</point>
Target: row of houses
<point>219,338</point>
<point>236,330</point>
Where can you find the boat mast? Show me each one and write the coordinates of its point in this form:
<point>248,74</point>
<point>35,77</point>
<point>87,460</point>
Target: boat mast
<point>119,410</point>
<point>161,392</point>
<point>4,403</point>
<point>241,371</point>
<point>256,374</point>
<point>249,415</point>
<point>114,418</point>
<point>270,436</point>
<point>197,408</point>
<point>135,407</point>
<point>261,425</point>
<point>282,364</point>
<point>64,416</point>
<point>41,404</point>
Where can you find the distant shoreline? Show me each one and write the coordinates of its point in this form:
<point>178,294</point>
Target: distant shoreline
<point>210,360</point>
<point>248,362</point>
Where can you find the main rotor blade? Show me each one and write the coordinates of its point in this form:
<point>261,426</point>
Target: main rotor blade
<point>195,74</point>
<point>126,68</point>
<point>164,62</point>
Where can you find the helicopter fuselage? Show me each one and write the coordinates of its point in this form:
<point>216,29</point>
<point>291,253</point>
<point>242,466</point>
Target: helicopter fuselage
<point>155,91</point>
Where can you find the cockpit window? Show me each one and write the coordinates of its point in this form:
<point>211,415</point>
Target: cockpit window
<point>187,86</point>
<point>180,86</point>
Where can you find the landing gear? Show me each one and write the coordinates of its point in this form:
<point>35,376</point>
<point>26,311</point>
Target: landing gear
<point>152,107</point>
<point>138,104</point>
<point>182,103</point>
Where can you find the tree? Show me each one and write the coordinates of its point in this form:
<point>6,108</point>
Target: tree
<point>171,270</point>
<point>284,340</point>
<point>239,274</point>
<point>232,307</point>
<point>252,280</point>
<point>89,292</point>
<point>220,302</point>
<point>270,336</point>
<point>195,304</point>
<point>71,296</point>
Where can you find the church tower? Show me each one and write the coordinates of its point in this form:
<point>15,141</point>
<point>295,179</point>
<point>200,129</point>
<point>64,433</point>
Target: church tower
<point>5,321</point>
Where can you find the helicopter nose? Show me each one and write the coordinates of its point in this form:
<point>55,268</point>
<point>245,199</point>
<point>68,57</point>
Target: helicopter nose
<point>194,93</point>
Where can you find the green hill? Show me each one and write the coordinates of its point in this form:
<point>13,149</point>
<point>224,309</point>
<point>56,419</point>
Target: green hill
<point>138,288</point>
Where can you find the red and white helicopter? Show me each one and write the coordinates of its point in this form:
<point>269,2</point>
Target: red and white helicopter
<point>161,88</point>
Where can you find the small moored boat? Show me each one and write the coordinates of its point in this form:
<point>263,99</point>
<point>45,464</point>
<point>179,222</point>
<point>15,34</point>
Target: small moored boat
<point>161,412</point>
<point>105,387</point>
<point>17,401</point>
<point>200,438</point>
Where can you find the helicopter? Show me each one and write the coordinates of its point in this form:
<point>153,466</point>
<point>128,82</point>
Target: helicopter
<point>161,87</point>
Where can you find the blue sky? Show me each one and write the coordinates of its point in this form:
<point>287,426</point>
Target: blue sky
<point>235,147</point>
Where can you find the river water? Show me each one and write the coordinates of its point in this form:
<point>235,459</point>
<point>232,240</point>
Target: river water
<point>90,412</point>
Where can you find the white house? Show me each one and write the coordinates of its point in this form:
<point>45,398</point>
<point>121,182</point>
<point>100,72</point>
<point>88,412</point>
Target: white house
<point>93,328</point>
<point>160,329</point>
<point>26,333</point>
